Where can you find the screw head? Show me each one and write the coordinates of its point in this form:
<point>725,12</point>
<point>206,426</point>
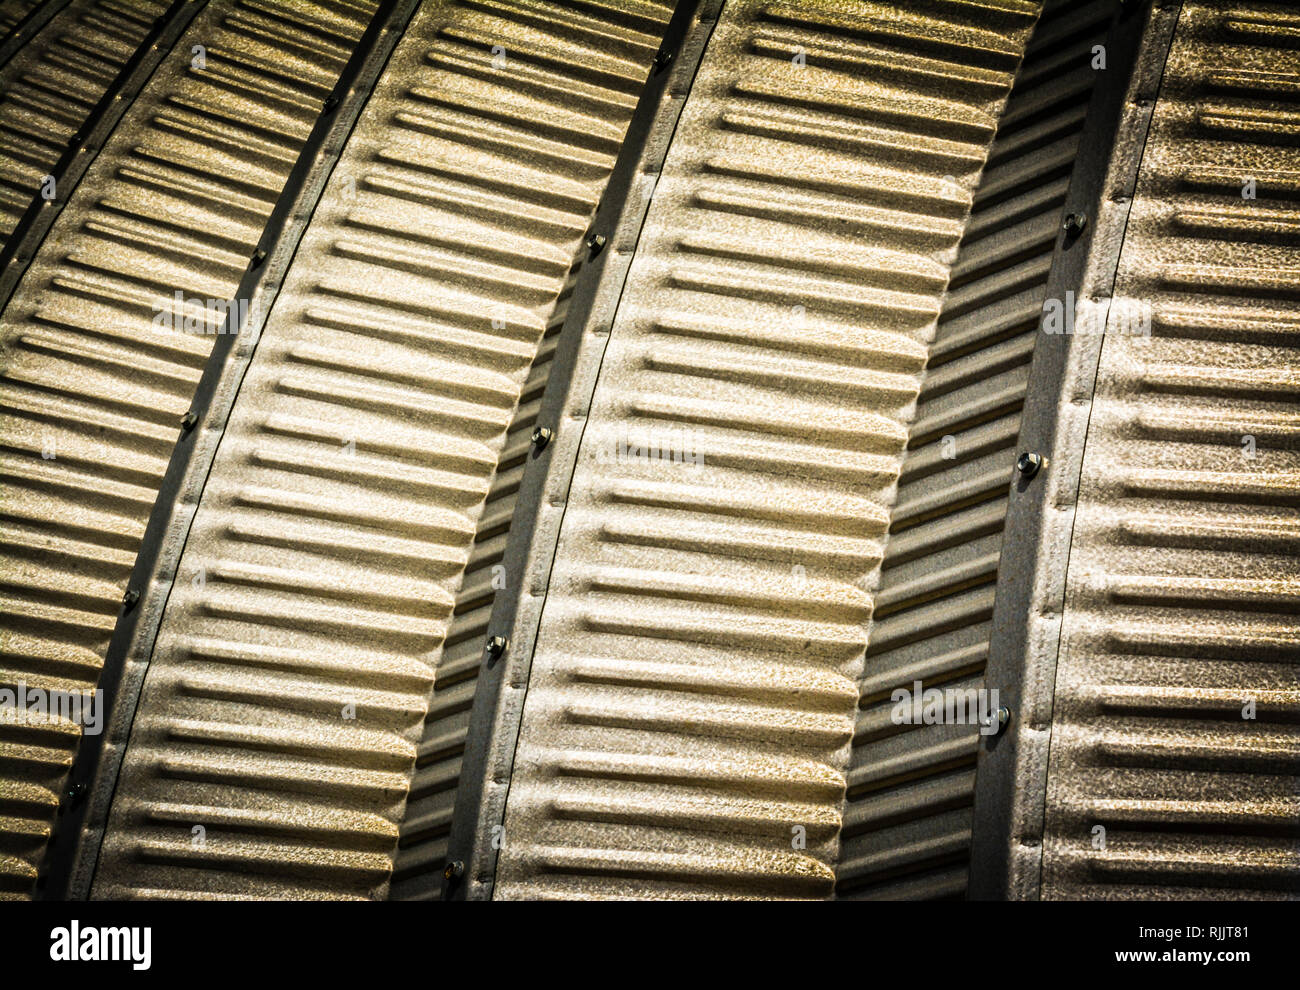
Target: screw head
<point>130,599</point>
<point>1074,224</point>
<point>454,870</point>
<point>1028,464</point>
<point>496,646</point>
<point>595,243</point>
<point>541,437</point>
<point>189,420</point>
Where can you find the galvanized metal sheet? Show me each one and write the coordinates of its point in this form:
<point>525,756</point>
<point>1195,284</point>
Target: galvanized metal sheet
<point>52,84</point>
<point>907,821</point>
<point>282,707</point>
<point>93,387</point>
<point>687,720</point>
<point>1174,768</point>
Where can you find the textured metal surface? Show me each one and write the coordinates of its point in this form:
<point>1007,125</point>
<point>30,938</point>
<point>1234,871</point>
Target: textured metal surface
<point>92,391</point>
<point>283,701</point>
<point>907,821</point>
<point>1006,848</point>
<point>51,85</point>
<point>1181,599</point>
<point>689,709</point>
<point>418,868</point>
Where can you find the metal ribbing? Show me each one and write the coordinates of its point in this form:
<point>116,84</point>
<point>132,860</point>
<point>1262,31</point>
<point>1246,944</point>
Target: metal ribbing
<point>907,822</point>
<point>689,708</point>
<point>1174,746</point>
<point>288,683</point>
<point>92,389</point>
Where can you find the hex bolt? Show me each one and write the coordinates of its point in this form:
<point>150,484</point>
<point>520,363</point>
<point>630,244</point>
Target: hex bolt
<point>130,599</point>
<point>330,103</point>
<point>662,60</point>
<point>496,646</point>
<point>189,421</point>
<point>541,437</point>
<point>1004,716</point>
<point>454,870</point>
<point>1074,224</point>
<point>595,244</point>
<point>1028,464</point>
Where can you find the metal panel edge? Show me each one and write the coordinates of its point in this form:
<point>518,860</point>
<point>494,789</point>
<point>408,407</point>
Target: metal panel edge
<point>1011,769</point>
<point>498,700</point>
<point>73,850</point>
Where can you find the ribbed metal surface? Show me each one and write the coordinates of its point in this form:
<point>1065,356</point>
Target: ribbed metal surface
<point>50,87</point>
<point>289,681</point>
<point>690,704</point>
<point>907,820</point>
<point>12,13</point>
<point>417,872</point>
<point>92,392</point>
<point>1182,596</point>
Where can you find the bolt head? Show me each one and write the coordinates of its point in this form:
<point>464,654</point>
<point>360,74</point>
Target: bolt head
<point>1028,464</point>
<point>595,243</point>
<point>130,599</point>
<point>541,437</point>
<point>1074,224</point>
<point>454,870</point>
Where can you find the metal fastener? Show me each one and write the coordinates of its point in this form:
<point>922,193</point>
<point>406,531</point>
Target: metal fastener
<point>1028,464</point>
<point>259,256</point>
<point>130,599</point>
<point>662,60</point>
<point>496,646</point>
<point>1074,224</point>
<point>595,243</point>
<point>541,437</point>
<point>454,870</point>
<point>189,420</point>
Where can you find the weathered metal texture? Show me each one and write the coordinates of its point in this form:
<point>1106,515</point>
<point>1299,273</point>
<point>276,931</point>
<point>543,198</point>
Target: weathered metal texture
<point>1183,583</point>
<point>92,390</point>
<point>12,15</point>
<point>422,853</point>
<point>282,706</point>
<point>52,84</point>
<point>907,820</point>
<point>1011,773</point>
<point>689,708</point>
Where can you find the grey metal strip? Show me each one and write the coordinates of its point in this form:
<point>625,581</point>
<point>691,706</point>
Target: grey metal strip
<point>21,247</point>
<point>1011,774</point>
<point>503,680</point>
<point>29,27</point>
<point>74,847</point>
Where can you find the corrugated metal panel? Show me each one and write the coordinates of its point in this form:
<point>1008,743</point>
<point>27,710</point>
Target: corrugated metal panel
<point>907,821</point>
<point>689,708</point>
<point>1181,602</point>
<point>51,86</point>
<point>417,872</point>
<point>91,392</point>
<point>289,681</point>
<point>12,13</point>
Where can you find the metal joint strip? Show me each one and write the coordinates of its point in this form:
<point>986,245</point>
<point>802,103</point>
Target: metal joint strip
<point>1011,775</point>
<point>73,851</point>
<point>497,711</point>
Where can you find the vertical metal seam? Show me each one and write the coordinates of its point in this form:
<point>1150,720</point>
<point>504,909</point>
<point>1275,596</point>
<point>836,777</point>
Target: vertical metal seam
<point>28,234</point>
<point>72,854</point>
<point>689,31</point>
<point>1000,790</point>
<point>29,27</point>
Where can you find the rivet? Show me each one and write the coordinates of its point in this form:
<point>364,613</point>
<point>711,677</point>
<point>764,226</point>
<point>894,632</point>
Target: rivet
<point>496,646</point>
<point>1028,464</point>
